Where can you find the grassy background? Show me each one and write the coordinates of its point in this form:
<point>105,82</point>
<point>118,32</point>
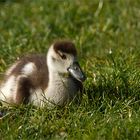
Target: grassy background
<point>107,36</point>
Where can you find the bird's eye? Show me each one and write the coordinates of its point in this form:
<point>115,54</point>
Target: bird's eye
<point>63,56</point>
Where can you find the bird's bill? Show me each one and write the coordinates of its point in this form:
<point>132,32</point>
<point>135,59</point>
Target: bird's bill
<point>76,72</point>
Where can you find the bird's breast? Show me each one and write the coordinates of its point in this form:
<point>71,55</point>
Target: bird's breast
<point>61,91</point>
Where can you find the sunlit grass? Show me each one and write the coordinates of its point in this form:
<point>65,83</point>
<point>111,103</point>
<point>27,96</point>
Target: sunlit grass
<point>106,34</point>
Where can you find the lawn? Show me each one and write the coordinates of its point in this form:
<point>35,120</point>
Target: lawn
<point>107,36</point>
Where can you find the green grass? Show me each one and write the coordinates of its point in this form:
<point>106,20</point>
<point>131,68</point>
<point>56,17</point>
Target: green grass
<point>107,36</point>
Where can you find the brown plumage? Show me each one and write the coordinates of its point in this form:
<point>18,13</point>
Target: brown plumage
<point>38,78</point>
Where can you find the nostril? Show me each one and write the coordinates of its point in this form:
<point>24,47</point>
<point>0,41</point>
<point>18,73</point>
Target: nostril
<point>75,68</point>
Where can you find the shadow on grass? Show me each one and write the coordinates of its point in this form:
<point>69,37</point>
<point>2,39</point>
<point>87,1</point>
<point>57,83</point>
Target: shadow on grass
<point>113,81</point>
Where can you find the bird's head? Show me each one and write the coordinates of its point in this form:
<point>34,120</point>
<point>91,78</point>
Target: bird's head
<point>62,58</point>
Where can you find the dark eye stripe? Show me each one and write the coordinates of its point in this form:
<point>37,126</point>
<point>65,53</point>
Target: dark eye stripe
<point>63,56</point>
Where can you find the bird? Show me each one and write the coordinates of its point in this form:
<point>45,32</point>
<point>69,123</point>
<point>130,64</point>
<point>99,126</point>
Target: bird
<point>54,78</point>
